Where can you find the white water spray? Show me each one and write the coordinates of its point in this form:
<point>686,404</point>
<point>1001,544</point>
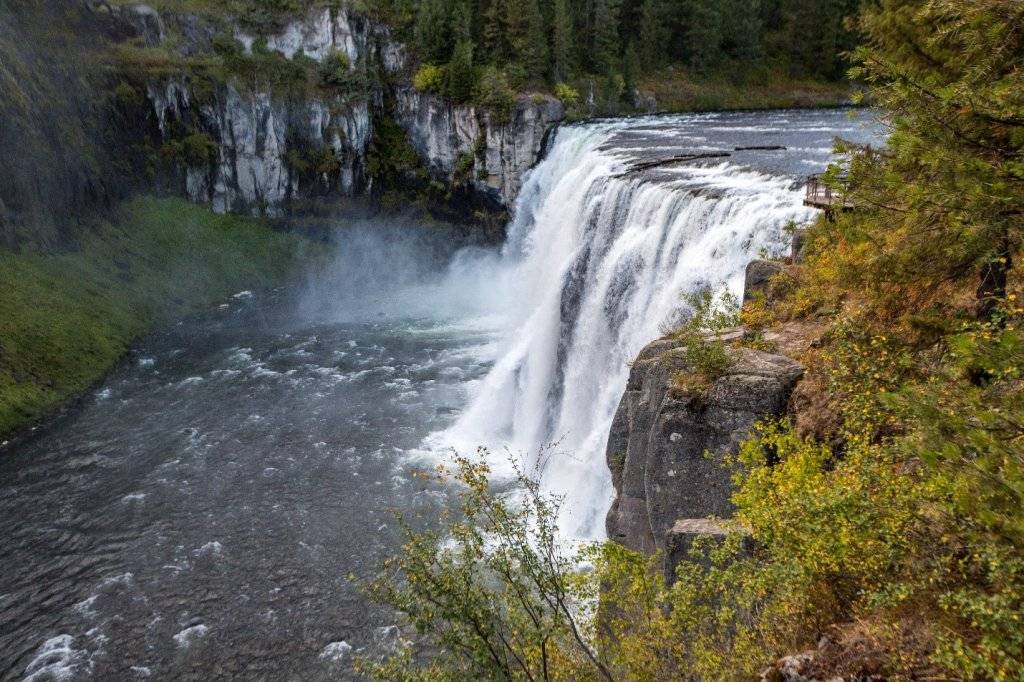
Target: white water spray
<point>597,263</point>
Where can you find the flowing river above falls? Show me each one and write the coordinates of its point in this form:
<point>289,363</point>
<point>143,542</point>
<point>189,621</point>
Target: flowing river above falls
<point>199,514</point>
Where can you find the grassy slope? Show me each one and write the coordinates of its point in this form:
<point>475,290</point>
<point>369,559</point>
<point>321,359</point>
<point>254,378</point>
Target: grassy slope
<point>65,319</point>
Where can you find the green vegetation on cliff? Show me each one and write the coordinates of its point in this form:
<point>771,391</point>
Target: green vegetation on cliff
<point>881,526</point>
<point>67,317</point>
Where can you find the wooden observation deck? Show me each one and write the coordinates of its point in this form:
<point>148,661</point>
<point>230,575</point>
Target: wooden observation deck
<point>817,194</point>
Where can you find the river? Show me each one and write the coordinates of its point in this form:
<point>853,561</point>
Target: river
<point>198,515</point>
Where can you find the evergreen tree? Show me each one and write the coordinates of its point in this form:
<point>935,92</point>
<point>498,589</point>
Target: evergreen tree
<point>496,31</point>
<point>460,78</point>
<point>434,38</point>
<point>741,32</point>
<point>630,75</point>
<point>606,45</point>
<point>528,40</point>
<point>562,47</point>
<point>655,33</point>
<point>704,34</point>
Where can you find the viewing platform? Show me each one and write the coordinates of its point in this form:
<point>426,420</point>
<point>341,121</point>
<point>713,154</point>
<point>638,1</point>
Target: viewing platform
<point>817,194</point>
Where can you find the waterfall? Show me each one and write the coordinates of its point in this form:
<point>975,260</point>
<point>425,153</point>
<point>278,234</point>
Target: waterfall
<point>597,263</point>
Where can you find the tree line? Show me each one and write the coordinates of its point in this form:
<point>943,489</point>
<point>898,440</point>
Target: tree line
<point>538,43</point>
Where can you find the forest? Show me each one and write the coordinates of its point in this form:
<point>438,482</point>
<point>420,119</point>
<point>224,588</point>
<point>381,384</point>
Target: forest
<point>473,48</point>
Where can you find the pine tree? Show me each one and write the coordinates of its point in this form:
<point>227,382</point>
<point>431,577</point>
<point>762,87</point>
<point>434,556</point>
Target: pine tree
<point>496,31</point>
<point>952,73</point>
<point>562,48</point>
<point>434,40</point>
<point>630,75</point>
<point>528,39</point>
<point>704,34</point>
<point>655,33</point>
<point>606,44</point>
<point>741,32</point>
<point>460,78</point>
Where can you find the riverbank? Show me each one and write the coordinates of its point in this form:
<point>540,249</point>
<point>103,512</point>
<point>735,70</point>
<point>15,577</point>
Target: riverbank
<point>67,317</point>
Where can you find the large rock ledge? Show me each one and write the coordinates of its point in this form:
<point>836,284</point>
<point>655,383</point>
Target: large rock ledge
<point>660,434</point>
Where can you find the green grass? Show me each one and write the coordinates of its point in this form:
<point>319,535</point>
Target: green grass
<point>66,319</point>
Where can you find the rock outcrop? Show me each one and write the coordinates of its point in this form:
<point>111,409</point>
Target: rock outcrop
<point>667,443</point>
<point>462,140</point>
<point>258,139</point>
<point>262,136</point>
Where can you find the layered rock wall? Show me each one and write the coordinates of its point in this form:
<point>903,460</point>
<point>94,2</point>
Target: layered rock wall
<point>257,130</point>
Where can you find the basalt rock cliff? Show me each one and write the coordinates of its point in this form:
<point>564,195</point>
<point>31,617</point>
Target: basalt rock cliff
<point>275,149</point>
<point>667,441</point>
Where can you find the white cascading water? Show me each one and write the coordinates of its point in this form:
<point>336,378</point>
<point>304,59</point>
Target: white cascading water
<point>597,264</point>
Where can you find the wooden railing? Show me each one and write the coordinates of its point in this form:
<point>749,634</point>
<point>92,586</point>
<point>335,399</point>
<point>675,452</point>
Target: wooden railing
<point>819,194</point>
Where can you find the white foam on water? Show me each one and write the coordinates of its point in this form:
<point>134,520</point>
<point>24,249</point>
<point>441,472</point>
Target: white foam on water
<point>212,548</point>
<point>189,636</point>
<point>56,659</point>
<point>598,261</point>
<point>336,652</point>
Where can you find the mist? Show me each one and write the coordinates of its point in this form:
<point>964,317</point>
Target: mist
<point>397,269</point>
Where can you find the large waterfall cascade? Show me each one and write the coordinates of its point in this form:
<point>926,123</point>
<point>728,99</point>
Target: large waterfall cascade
<point>601,252</point>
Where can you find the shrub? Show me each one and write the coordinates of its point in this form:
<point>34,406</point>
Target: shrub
<point>706,355</point>
<point>464,165</point>
<point>335,69</point>
<point>429,78</point>
<point>495,590</point>
<point>568,95</point>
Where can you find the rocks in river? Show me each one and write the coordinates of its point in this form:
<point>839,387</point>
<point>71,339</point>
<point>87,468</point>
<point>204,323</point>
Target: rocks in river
<point>190,635</point>
<point>667,444</point>
<point>336,652</point>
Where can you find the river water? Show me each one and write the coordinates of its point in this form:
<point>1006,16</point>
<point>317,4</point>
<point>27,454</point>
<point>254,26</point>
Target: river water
<point>199,514</point>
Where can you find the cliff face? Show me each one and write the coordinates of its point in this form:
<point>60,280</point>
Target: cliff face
<point>463,142</point>
<point>660,434</point>
<point>254,167</point>
<point>264,138</point>
<point>100,99</point>
<point>55,153</point>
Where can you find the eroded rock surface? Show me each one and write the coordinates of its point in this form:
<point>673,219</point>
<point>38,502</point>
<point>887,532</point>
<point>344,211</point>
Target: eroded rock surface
<point>660,434</point>
<point>264,139</point>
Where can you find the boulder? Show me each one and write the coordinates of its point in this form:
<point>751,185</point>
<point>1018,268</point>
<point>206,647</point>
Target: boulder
<point>759,276</point>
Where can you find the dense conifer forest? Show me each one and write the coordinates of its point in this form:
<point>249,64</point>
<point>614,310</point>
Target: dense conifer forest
<point>484,48</point>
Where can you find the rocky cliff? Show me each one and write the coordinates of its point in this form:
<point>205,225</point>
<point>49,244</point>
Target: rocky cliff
<point>102,98</point>
<point>467,143</point>
<point>667,441</point>
<point>55,156</point>
<point>274,146</point>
